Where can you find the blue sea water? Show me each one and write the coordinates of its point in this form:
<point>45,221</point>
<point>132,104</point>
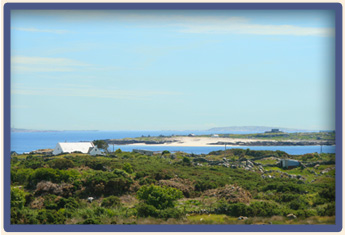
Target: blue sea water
<point>28,141</point>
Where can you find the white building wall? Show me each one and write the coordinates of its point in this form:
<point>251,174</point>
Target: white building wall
<point>95,151</point>
<point>57,150</point>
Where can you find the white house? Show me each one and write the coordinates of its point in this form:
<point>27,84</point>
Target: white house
<point>83,147</point>
<point>94,151</point>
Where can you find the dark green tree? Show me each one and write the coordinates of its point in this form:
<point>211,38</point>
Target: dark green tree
<point>101,144</point>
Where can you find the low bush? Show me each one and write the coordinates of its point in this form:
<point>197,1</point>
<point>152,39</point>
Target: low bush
<point>145,210</point>
<point>17,198</point>
<point>91,221</point>
<point>111,201</point>
<point>107,183</point>
<point>50,217</point>
<point>61,164</point>
<point>159,197</point>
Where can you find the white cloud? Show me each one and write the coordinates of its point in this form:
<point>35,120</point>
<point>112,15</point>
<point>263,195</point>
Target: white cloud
<point>229,27</point>
<point>56,31</point>
<point>222,25</point>
<point>44,64</point>
<point>183,23</point>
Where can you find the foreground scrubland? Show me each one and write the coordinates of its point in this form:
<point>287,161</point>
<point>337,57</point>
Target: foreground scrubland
<point>225,187</point>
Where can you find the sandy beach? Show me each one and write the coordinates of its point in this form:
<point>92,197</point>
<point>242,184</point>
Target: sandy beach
<point>201,141</point>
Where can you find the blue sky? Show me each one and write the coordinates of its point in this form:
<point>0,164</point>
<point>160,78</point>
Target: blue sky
<point>172,70</point>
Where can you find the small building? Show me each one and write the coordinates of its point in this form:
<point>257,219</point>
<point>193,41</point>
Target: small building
<point>80,147</point>
<point>274,131</point>
<point>142,151</point>
<point>191,135</point>
<point>288,163</point>
<point>95,151</point>
<point>215,136</point>
<point>14,153</point>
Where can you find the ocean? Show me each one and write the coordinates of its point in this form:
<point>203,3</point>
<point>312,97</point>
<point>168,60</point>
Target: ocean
<point>28,141</point>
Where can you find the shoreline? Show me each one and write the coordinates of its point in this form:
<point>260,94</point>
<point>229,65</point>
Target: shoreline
<point>209,142</point>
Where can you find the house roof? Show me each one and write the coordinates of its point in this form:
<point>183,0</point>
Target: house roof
<point>76,146</point>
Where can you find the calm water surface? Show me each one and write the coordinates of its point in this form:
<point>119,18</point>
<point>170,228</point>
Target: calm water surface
<point>28,141</point>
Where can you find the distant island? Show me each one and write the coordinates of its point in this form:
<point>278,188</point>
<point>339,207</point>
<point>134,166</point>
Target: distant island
<point>30,130</point>
<point>255,129</point>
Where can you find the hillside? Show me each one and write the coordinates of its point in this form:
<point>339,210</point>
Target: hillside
<point>224,187</point>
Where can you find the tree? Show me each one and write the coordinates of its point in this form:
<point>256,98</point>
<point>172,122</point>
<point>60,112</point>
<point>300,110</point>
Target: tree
<point>101,144</point>
<point>159,197</point>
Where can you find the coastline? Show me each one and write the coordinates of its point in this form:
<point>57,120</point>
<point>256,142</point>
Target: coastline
<point>210,141</point>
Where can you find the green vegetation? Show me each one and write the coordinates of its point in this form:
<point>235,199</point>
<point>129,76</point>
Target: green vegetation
<point>298,136</point>
<point>173,188</point>
<point>101,144</point>
<point>285,136</point>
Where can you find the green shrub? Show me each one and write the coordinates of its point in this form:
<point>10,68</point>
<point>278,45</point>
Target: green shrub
<point>186,161</point>
<point>159,197</point>
<point>326,210</point>
<point>61,163</point>
<point>91,221</point>
<point>170,213</point>
<point>145,210</point>
<point>53,175</point>
<point>33,162</point>
<point>118,151</point>
<point>328,193</point>
<point>288,197</point>
<point>298,204</point>
<point>263,209</point>
<point>50,203</point>
<point>111,201</point>
<point>127,167</point>
<point>17,198</point>
<point>23,216</point>
<point>68,203</point>
<point>20,176</point>
<point>50,217</point>
<point>238,209</point>
<point>107,183</point>
<point>284,187</point>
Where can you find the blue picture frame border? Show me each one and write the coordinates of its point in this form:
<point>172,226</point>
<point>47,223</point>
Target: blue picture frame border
<point>337,7</point>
